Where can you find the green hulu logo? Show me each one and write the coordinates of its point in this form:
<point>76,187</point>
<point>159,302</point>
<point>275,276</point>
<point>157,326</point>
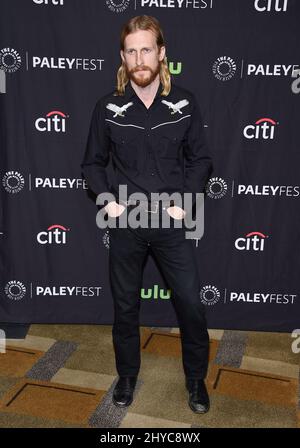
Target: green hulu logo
<point>155,293</point>
<point>175,69</point>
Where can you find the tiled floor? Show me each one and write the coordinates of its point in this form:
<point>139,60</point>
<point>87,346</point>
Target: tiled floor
<point>64,375</point>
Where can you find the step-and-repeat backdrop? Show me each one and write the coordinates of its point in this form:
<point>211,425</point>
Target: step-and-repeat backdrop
<point>241,59</point>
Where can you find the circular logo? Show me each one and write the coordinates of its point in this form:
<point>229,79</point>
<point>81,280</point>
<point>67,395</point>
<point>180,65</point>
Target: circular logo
<point>13,181</point>
<point>10,60</point>
<point>224,68</point>
<point>209,295</point>
<point>216,188</point>
<point>117,5</point>
<point>15,290</point>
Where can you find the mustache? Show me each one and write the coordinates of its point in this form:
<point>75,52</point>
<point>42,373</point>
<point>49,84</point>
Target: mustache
<point>141,68</point>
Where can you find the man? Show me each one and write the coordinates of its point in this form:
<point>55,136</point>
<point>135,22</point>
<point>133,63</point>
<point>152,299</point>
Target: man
<point>154,132</point>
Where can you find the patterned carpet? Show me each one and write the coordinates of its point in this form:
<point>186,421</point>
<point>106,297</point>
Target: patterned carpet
<point>64,375</point>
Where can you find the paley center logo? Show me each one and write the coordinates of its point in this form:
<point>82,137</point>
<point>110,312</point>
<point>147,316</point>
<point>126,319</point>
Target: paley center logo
<point>263,128</point>
<point>209,295</point>
<point>216,188</point>
<point>10,62</point>
<point>15,290</point>
<point>253,241</point>
<point>55,234</point>
<point>54,121</point>
<point>224,68</point>
<point>13,181</point>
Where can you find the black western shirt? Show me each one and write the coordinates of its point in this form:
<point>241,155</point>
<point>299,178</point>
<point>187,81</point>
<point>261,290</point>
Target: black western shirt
<point>158,149</point>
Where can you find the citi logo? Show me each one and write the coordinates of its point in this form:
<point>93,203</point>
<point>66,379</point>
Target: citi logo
<point>55,234</point>
<point>55,121</point>
<point>155,293</point>
<point>252,241</point>
<point>271,5</point>
<point>49,2</point>
<point>263,128</point>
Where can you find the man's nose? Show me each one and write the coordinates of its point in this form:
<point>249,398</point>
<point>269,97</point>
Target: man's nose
<point>139,59</point>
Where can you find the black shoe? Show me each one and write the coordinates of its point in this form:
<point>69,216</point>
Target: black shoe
<point>123,391</point>
<point>198,396</point>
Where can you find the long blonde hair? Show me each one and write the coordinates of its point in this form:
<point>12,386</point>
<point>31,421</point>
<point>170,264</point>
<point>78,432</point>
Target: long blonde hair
<point>150,23</point>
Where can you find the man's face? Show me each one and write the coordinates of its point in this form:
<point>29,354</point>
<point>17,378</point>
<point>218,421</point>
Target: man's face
<point>141,57</point>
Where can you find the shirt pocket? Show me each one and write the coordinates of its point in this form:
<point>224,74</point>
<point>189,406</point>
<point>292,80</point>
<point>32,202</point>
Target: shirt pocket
<point>170,145</point>
<point>125,148</point>
<point>170,140</point>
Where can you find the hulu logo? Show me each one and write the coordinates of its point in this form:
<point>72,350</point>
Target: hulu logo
<point>155,293</point>
<point>175,69</point>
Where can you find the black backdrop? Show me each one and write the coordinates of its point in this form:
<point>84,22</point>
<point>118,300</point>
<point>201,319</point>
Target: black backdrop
<point>238,56</point>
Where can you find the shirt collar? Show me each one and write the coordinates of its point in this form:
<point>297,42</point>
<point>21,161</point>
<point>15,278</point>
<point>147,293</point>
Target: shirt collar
<point>130,92</point>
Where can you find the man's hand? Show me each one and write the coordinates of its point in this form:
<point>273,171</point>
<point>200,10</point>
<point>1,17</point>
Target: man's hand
<point>114,209</point>
<point>176,212</point>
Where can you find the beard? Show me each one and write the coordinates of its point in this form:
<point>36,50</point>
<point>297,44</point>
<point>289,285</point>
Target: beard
<point>144,79</point>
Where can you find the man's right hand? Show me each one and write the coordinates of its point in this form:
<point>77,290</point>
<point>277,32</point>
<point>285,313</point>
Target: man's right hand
<point>114,209</point>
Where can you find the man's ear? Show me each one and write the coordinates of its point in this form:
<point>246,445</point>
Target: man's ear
<point>162,52</point>
<point>122,55</point>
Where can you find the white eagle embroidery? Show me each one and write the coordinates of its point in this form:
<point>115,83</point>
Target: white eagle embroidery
<point>176,107</point>
<point>118,110</point>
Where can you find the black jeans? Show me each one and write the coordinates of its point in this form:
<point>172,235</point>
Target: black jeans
<point>176,257</point>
